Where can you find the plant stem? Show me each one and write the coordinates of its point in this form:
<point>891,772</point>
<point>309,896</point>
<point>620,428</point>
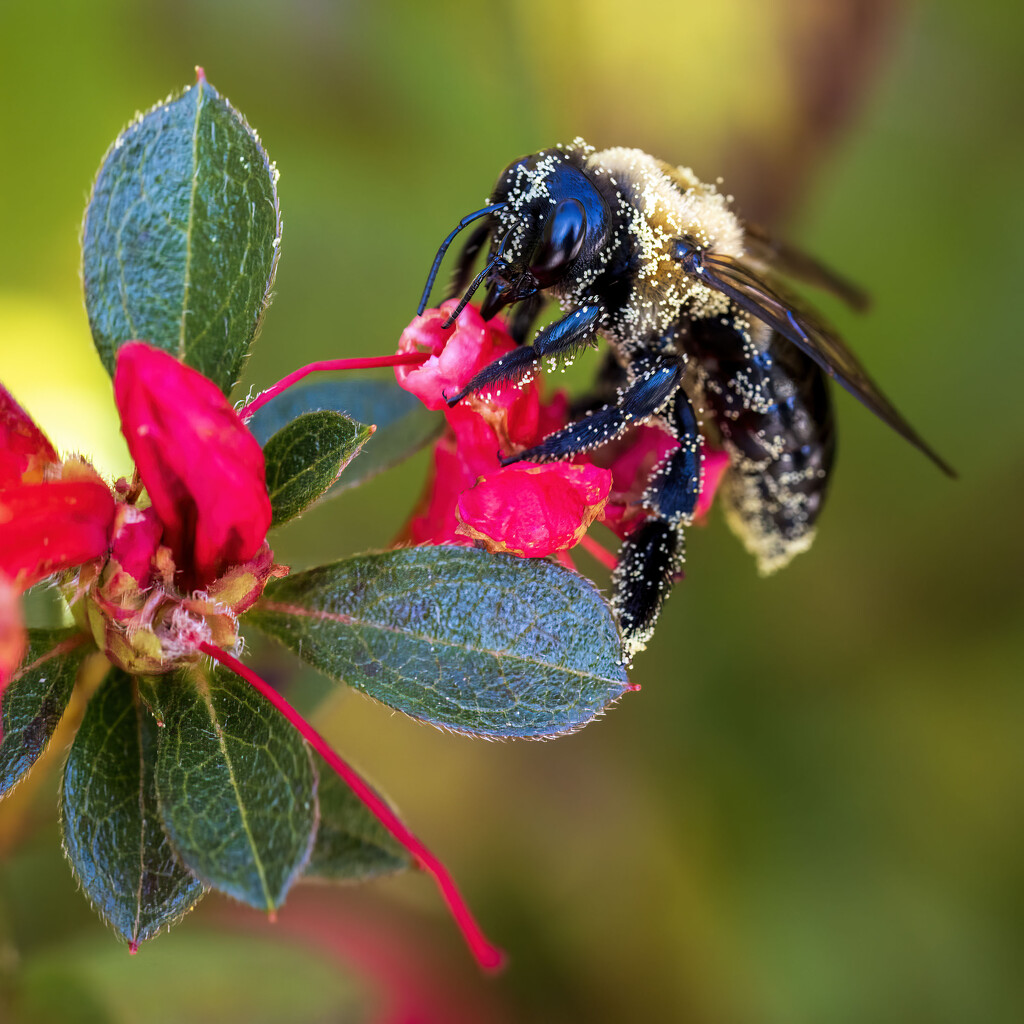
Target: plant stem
<point>487,955</point>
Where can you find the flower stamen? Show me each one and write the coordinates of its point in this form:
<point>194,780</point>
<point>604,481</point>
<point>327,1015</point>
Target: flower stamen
<point>325,365</point>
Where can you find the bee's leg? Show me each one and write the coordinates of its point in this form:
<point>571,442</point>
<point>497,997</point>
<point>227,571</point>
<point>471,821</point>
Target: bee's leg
<point>675,485</point>
<point>553,341</point>
<point>653,554</point>
<point>648,559</point>
<point>653,384</point>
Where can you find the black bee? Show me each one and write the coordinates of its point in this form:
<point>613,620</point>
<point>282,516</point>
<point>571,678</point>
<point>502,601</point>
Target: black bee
<point>654,260</point>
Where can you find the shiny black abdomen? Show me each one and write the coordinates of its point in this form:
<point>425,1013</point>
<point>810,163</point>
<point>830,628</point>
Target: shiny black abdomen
<point>774,412</point>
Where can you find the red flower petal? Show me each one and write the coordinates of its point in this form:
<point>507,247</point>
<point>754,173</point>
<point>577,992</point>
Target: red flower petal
<point>632,459</point>
<point>202,468</point>
<point>716,462</point>
<point>534,510</point>
<point>456,354</point>
<point>137,535</point>
<point>24,449</point>
<point>13,640</point>
<point>47,527</point>
<point>434,520</point>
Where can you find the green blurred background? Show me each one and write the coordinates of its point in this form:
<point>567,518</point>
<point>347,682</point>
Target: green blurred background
<point>813,810</point>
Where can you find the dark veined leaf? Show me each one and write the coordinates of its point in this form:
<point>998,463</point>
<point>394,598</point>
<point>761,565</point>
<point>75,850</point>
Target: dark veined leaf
<point>35,699</point>
<point>351,844</point>
<point>182,234</point>
<point>486,644</point>
<point>112,830</point>
<point>404,424</point>
<point>306,456</point>
<point>236,785</point>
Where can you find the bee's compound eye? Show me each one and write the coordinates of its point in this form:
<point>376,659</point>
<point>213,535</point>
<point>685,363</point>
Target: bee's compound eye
<point>688,253</point>
<point>560,242</point>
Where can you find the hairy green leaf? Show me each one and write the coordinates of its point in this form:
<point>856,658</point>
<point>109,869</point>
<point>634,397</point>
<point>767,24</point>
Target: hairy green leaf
<point>35,699</point>
<point>306,456</point>
<point>404,424</point>
<point>486,644</point>
<point>351,844</point>
<point>112,831</point>
<point>181,235</point>
<point>236,783</point>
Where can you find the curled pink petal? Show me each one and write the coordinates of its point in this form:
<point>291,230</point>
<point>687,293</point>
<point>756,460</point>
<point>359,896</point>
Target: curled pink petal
<point>716,462</point>
<point>136,538</point>
<point>47,527</point>
<point>455,355</point>
<point>13,640</point>
<point>534,510</point>
<point>632,459</point>
<point>25,451</point>
<point>203,470</point>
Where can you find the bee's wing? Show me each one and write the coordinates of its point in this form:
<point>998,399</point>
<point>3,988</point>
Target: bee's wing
<point>803,328</point>
<point>792,262</point>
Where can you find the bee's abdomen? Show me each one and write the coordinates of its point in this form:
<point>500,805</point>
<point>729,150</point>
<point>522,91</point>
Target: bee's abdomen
<point>773,409</point>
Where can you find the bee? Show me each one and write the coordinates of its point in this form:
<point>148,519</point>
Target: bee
<point>649,257</point>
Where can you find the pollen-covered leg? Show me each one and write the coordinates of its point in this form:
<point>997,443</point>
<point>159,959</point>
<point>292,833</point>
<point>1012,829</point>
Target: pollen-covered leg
<point>653,385</point>
<point>555,340</point>
<point>675,487</point>
<point>648,560</point>
<point>652,555</point>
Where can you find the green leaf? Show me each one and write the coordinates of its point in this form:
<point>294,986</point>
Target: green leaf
<point>181,236</point>
<point>236,783</point>
<point>35,699</point>
<point>306,456</point>
<point>112,831</point>
<point>404,424</point>
<point>486,644</point>
<point>351,844</point>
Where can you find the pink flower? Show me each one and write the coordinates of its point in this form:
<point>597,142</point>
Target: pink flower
<point>163,583</point>
<point>533,510</point>
<point>53,516</point>
<point>526,508</point>
<point>25,452</point>
<point>137,566</point>
<point>201,467</point>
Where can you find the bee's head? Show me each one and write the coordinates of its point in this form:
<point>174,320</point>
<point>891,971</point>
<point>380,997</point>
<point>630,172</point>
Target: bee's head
<point>551,221</point>
<point>546,221</point>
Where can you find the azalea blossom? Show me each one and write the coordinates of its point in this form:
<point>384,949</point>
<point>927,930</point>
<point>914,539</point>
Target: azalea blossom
<point>150,583</point>
<point>158,569</point>
<point>528,509</point>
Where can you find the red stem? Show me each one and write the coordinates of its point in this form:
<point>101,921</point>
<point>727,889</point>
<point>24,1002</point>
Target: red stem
<point>597,551</point>
<point>487,955</point>
<point>566,559</point>
<point>399,359</point>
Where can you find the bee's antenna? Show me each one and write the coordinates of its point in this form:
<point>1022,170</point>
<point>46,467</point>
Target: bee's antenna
<point>477,281</point>
<point>465,222</point>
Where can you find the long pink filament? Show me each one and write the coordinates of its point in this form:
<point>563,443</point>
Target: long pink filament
<point>370,363</point>
<point>487,955</point>
<point>598,552</point>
